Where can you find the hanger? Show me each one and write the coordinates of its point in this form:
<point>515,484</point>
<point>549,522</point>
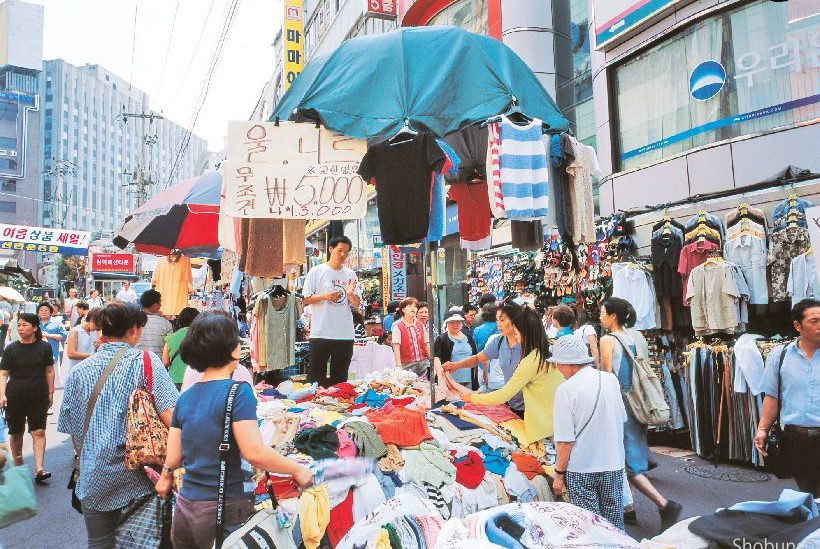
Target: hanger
<point>406,130</point>
<point>513,113</point>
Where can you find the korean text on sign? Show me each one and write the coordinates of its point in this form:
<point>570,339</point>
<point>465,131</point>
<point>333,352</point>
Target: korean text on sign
<point>293,171</point>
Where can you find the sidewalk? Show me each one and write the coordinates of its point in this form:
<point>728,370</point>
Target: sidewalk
<point>699,495</point>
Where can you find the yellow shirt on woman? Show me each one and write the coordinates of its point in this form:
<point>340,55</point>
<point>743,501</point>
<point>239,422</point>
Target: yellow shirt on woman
<point>538,388</point>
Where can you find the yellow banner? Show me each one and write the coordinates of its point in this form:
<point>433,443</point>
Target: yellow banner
<point>293,41</point>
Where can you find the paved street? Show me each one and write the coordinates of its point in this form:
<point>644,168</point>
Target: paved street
<point>58,526</point>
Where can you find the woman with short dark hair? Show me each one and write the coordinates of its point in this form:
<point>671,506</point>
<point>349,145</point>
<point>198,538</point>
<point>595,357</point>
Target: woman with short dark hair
<point>212,347</point>
<point>106,489</point>
<point>27,390</point>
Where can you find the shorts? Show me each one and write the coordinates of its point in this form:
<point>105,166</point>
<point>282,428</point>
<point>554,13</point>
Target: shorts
<point>26,408</point>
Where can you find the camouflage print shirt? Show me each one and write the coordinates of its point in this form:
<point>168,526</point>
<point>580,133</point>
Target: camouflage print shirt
<point>785,245</point>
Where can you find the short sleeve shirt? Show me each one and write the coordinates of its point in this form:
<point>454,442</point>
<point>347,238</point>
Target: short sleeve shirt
<point>403,174</point>
<point>330,319</point>
<point>498,349</point>
<point>596,430</point>
<point>800,404</point>
<point>26,365</point>
<point>200,413</point>
<point>105,484</point>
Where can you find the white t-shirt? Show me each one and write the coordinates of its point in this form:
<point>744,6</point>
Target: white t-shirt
<point>600,447</point>
<point>330,319</point>
<point>127,296</point>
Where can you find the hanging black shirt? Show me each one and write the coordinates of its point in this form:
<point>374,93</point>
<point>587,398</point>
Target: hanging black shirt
<point>665,255</point>
<point>403,173</point>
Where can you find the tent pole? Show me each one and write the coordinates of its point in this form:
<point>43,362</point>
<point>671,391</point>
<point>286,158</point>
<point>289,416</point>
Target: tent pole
<point>432,299</point>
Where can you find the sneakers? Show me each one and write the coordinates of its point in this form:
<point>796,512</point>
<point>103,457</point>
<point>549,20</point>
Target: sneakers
<point>670,514</point>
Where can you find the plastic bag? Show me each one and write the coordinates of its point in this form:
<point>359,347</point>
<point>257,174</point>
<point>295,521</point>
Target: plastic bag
<point>17,499</point>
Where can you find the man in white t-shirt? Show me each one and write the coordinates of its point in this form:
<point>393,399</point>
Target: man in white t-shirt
<point>126,294</point>
<point>332,291</point>
<point>588,424</point>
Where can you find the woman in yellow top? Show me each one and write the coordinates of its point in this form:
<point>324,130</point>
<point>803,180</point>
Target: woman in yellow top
<point>534,376</point>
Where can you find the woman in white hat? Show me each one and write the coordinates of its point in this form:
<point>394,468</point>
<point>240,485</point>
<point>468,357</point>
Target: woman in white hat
<point>453,346</point>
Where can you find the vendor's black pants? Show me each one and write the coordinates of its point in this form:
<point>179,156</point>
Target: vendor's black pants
<point>805,467</point>
<point>338,351</point>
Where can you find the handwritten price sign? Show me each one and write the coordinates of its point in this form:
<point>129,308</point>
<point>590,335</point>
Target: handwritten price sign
<point>293,171</point>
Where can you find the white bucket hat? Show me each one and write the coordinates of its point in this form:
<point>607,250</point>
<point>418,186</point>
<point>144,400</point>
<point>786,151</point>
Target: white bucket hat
<point>569,349</point>
<point>452,318</point>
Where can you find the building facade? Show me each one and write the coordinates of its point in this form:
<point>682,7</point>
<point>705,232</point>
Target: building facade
<point>21,61</point>
<point>705,97</point>
<point>103,152</point>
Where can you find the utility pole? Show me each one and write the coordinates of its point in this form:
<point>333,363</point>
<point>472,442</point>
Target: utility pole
<point>142,177</point>
<point>58,169</point>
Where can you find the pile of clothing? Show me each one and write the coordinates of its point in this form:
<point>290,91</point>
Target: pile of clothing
<point>790,521</point>
<point>459,459</point>
<point>410,523</point>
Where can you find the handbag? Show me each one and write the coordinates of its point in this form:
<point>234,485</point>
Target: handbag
<point>89,409</point>
<point>146,439</point>
<point>17,499</point>
<point>645,399</point>
<point>777,460</point>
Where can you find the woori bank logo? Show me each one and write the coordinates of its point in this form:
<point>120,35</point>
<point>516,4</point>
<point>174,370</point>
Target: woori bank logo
<point>707,80</point>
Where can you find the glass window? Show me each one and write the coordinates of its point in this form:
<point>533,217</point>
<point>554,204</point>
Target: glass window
<point>7,206</point>
<point>739,72</point>
<point>469,15</point>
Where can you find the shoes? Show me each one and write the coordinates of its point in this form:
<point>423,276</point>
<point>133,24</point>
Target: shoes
<point>652,464</point>
<point>631,517</point>
<point>670,514</point>
<point>42,476</point>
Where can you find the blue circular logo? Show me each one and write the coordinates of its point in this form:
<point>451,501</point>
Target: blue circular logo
<point>707,80</point>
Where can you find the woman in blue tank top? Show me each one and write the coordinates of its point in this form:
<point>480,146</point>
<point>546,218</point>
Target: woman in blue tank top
<point>616,315</point>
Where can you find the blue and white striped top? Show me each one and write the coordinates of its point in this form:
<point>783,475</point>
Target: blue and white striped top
<point>524,170</point>
<point>105,484</point>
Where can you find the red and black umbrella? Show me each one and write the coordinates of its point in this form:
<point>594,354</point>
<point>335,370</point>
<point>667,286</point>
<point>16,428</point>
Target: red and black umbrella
<point>186,216</point>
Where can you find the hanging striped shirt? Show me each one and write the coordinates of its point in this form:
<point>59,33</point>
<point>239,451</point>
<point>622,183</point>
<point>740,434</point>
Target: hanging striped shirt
<point>524,170</point>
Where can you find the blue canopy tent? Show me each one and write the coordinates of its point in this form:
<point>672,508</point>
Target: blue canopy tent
<point>438,78</point>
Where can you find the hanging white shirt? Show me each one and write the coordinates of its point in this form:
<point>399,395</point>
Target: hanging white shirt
<point>632,284</point>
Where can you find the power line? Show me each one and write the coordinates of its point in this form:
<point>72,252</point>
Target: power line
<point>186,140</point>
<point>167,51</point>
<point>193,55</point>
<point>133,43</point>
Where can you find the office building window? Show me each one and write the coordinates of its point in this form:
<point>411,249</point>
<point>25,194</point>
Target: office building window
<point>738,72</point>
<point>8,185</point>
<point>8,206</point>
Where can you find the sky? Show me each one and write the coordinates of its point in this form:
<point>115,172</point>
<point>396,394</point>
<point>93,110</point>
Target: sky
<point>103,32</point>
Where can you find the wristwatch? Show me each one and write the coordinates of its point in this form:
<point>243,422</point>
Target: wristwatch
<point>562,473</point>
<point>169,469</point>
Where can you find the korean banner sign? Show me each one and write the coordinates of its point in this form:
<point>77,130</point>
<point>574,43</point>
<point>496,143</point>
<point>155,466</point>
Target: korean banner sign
<point>292,171</point>
<point>383,9</point>
<point>293,41</point>
<point>112,263</point>
<point>398,274</point>
<point>40,239</point>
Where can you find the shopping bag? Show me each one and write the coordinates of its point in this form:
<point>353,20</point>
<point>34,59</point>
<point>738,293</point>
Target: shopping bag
<point>147,437</point>
<point>141,524</point>
<point>17,499</point>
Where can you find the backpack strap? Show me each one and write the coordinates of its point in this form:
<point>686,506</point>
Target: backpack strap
<point>626,348</point>
<point>594,406</point>
<point>224,448</point>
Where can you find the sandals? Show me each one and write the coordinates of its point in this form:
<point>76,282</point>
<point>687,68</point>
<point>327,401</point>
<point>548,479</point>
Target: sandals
<point>41,476</point>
